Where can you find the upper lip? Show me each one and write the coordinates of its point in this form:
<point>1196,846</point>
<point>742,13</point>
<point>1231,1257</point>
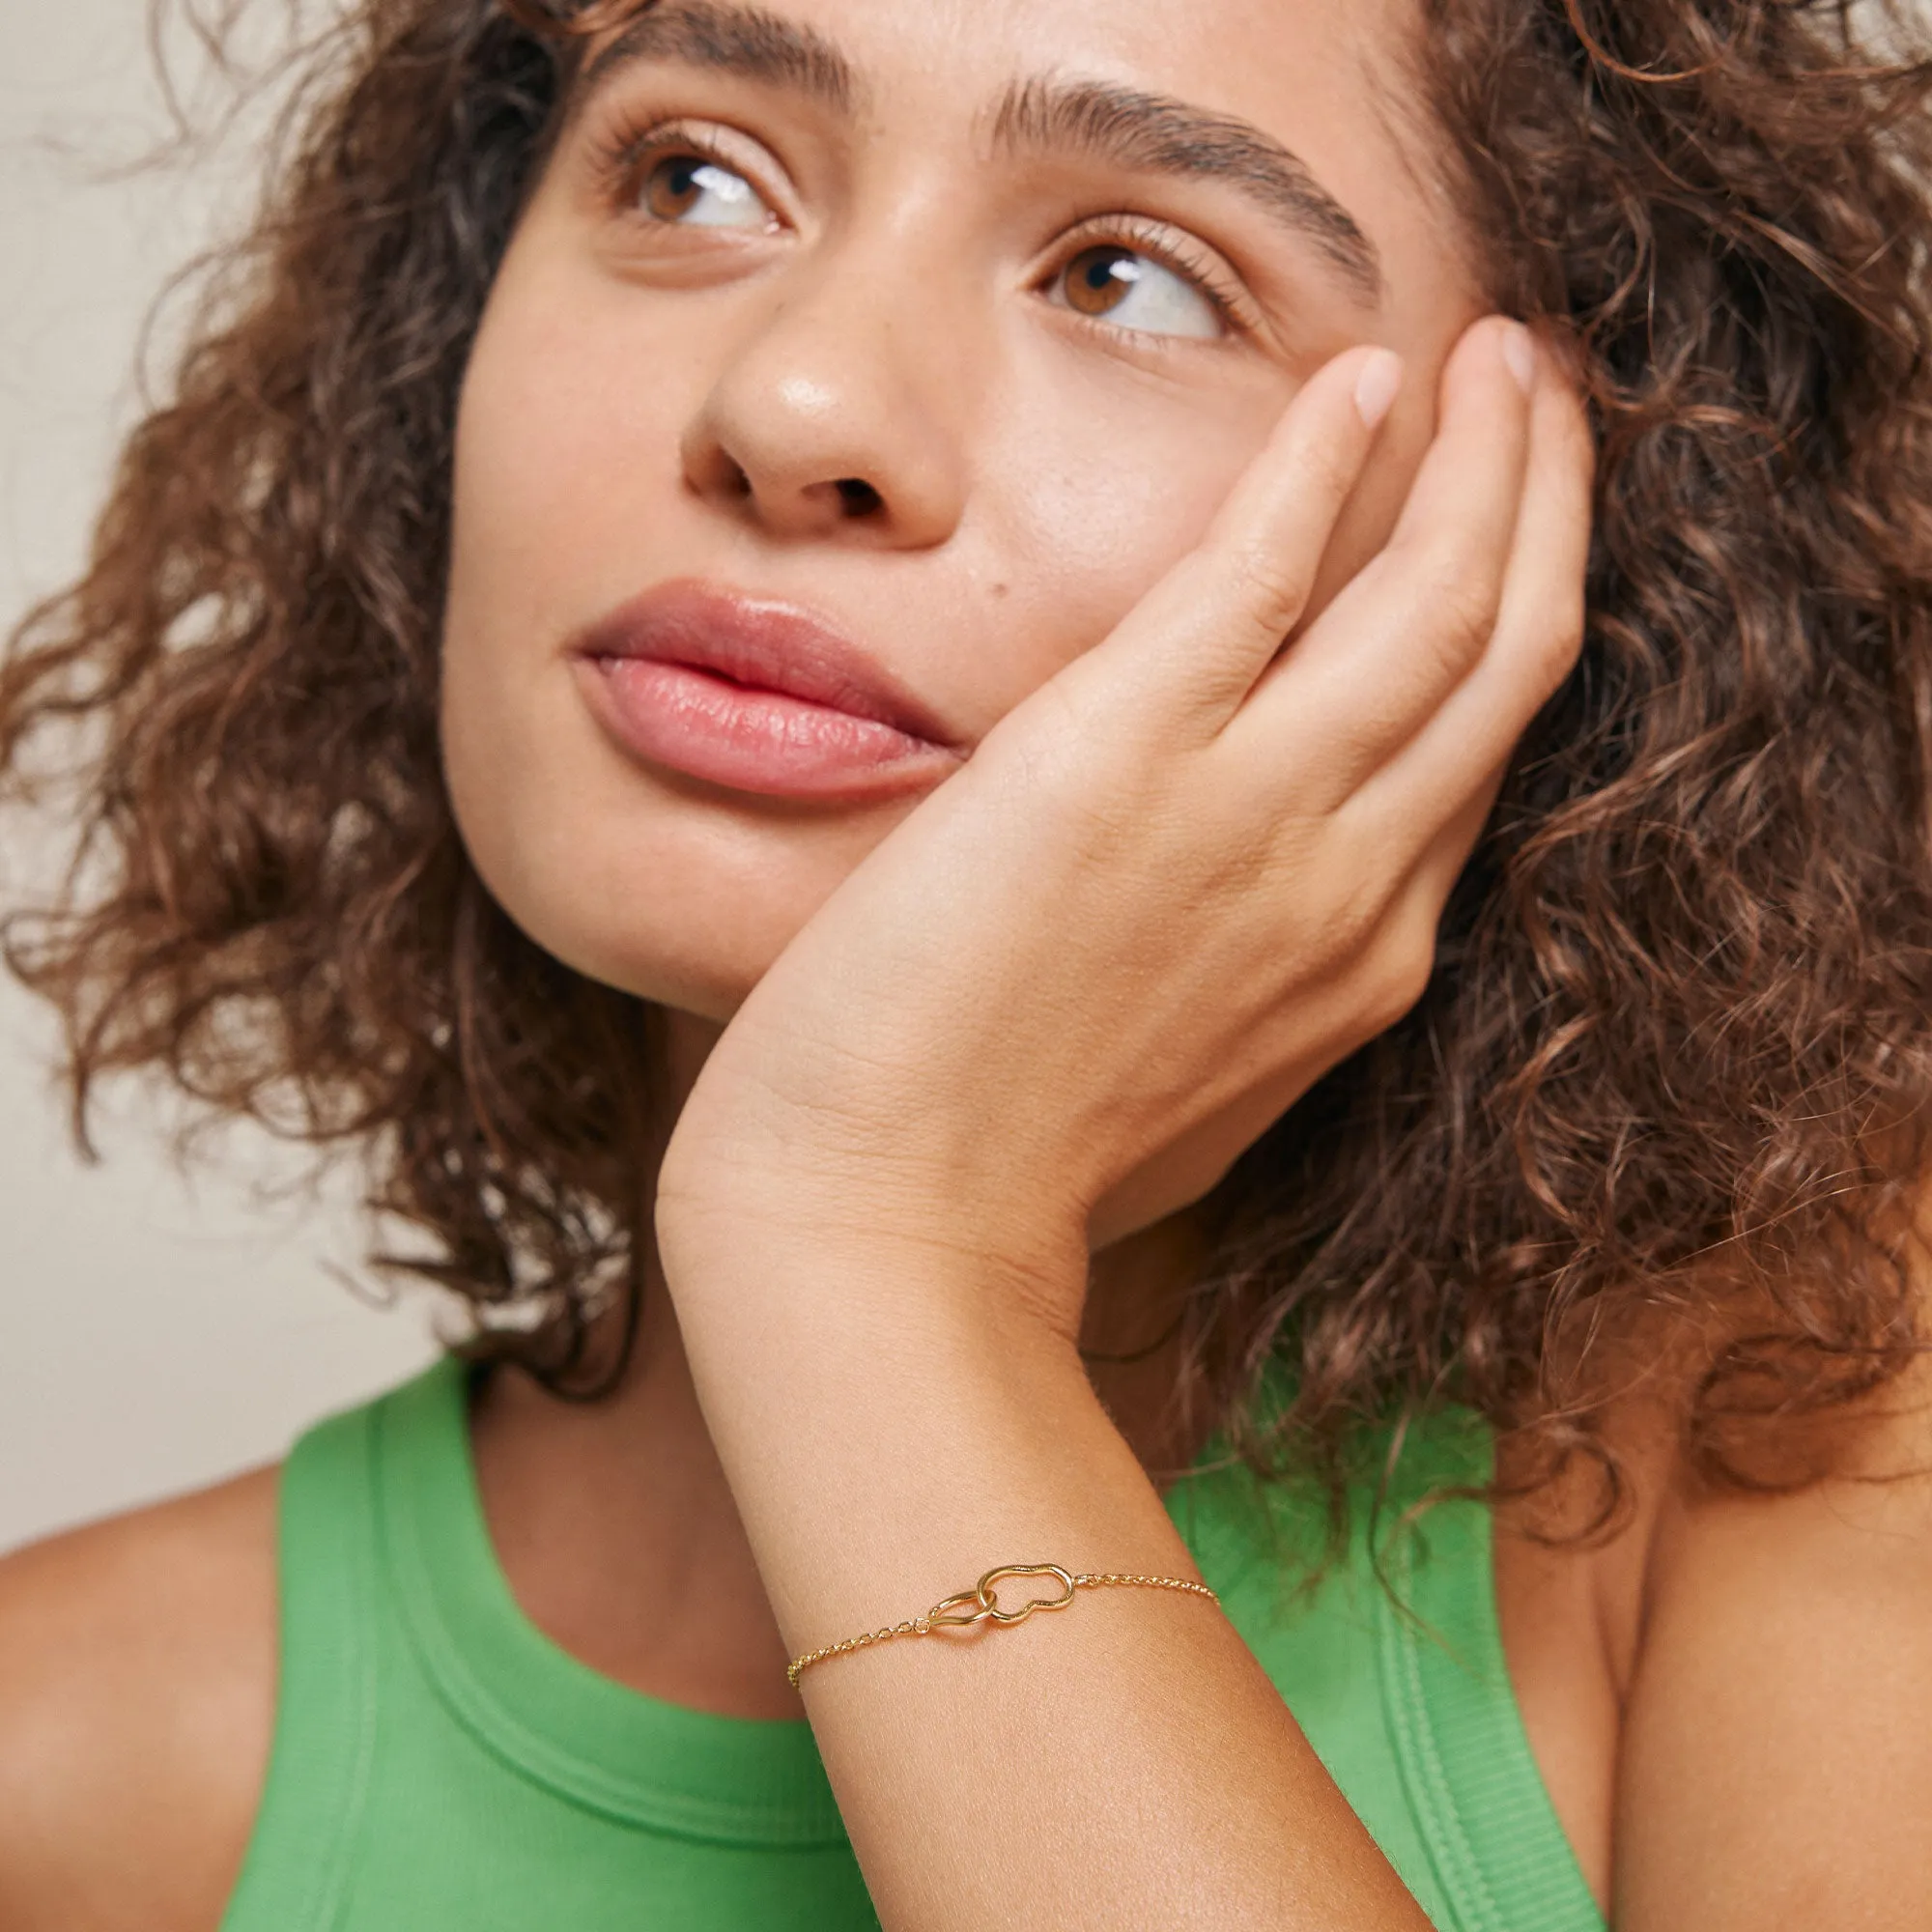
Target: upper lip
<point>763,643</point>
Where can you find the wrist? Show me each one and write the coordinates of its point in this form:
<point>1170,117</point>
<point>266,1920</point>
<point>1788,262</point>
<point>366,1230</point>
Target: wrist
<point>883,1457</point>
<point>870,1253</point>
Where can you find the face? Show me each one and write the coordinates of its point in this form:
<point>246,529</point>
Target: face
<point>925,337</point>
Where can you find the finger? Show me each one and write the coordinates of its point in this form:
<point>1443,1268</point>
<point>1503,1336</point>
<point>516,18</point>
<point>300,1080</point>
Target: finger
<point>1538,633</point>
<point>1434,874</point>
<point>1409,935</point>
<point>1195,643</point>
<point>1387,652</point>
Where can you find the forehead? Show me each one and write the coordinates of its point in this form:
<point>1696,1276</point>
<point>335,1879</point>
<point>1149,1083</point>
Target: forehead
<point>1181,37</point>
<point>1258,58</point>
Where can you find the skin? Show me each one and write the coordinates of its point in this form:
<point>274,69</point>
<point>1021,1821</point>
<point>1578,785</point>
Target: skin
<point>1106,539</point>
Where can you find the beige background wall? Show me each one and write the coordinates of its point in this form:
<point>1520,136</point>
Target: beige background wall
<point>153,1336</point>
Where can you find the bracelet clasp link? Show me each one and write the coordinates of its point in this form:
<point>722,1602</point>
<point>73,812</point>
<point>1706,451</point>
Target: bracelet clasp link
<point>984,1599</point>
<point>983,1596</point>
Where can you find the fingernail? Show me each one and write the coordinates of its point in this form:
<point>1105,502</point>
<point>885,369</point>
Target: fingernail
<point>1377,387</point>
<point>1519,352</point>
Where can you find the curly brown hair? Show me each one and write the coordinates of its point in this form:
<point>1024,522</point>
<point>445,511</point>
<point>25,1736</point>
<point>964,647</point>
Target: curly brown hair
<point>1674,1057</point>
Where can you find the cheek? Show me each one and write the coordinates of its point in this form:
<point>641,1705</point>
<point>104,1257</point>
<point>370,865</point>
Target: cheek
<point>562,454</point>
<point>1107,497</point>
<point>557,472</point>
<point>1100,493</point>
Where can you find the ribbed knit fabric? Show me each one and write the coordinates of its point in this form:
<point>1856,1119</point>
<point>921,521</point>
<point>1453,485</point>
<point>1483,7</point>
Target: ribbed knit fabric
<point>440,1766</point>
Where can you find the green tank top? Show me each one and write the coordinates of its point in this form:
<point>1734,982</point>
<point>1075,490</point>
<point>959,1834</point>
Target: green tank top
<point>440,1765</point>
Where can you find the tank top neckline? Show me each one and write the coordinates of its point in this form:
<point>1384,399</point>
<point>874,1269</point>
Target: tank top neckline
<point>1473,1784</point>
<point>589,1738</point>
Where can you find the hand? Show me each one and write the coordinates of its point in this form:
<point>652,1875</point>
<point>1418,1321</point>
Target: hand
<point>1180,880</point>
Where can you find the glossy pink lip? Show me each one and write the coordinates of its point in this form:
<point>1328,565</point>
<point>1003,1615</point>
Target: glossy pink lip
<point>756,694</point>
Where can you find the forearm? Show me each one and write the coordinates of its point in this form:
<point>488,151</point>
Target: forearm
<point>1124,1762</point>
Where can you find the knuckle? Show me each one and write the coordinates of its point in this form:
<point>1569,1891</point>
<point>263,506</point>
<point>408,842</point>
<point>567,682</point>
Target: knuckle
<point>1355,929</point>
<point>1460,603</point>
<point>1557,641</point>
<point>1272,586</point>
<point>1402,974</point>
<point>1330,473</point>
<point>1566,639</point>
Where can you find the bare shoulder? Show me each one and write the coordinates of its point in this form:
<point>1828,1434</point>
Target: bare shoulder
<point>137,1698</point>
<point>1777,1747</point>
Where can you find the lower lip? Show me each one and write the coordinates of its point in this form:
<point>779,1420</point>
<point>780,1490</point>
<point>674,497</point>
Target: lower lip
<point>690,720</point>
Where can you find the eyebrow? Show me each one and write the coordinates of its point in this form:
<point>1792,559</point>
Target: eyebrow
<point>1155,134</point>
<point>743,40</point>
<point>1121,127</point>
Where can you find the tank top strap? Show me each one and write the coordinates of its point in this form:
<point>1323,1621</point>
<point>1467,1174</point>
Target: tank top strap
<point>1498,1852</point>
<point>297,1874</point>
<point>1391,1659</point>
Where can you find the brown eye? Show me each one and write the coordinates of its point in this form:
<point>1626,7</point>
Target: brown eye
<point>695,192</point>
<point>1100,279</point>
<point>1131,289</point>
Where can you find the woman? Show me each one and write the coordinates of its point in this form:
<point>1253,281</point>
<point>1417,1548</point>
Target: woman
<point>1069,1059</point>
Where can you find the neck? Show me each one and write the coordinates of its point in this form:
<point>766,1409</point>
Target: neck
<point>618,1533</point>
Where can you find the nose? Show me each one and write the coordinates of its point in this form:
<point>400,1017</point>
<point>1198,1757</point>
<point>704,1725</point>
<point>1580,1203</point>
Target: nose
<point>828,416</point>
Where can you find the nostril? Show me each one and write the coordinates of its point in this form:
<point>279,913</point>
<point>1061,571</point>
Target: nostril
<point>858,497</point>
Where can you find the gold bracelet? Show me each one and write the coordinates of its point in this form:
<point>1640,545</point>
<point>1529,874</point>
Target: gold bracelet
<point>984,1597</point>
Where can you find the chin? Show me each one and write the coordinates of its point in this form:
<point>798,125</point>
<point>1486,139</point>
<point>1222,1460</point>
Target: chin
<point>680,988</point>
<point>647,929</point>
<point>708,981</point>
<point>682,899</point>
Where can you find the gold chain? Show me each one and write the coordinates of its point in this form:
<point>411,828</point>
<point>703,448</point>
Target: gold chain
<point>983,1596</point>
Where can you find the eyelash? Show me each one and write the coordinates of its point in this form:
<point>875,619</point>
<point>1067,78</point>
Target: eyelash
<point>620,156</point>
<point>1174,252</point>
